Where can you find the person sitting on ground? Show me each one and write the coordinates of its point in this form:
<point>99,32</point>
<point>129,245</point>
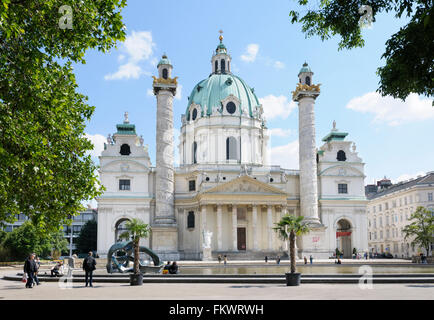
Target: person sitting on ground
<point>173,269</point>
<point>55,271</point>
<point>166,268</point>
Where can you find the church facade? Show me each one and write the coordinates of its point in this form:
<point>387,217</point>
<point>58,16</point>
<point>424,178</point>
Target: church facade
<point>224,197</point>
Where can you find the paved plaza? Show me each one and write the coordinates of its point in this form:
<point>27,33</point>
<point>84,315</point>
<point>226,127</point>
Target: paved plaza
<point>11,290</point>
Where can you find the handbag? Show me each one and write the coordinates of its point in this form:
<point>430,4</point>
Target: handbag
<point>24,279</point>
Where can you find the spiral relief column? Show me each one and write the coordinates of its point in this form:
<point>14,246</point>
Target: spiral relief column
<point>164,227</point>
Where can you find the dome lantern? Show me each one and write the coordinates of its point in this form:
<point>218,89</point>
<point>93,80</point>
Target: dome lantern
<point>221,60</point>
<point>305,75</point>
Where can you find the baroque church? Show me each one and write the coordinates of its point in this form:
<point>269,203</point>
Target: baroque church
<point>225,198</point>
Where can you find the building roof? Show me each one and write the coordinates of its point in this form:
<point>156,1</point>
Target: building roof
<point>428,179</point>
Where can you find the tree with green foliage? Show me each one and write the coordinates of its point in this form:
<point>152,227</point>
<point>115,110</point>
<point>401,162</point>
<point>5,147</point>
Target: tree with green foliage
<point>87,239</point>
<point>136,230</point>
<point>409,55</point>
<point>288,228</point>
<point>27,239</point>
<point>421,229</point>
<point>45,167</point>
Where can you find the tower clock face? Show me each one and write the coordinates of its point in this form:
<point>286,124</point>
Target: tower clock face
<point>230,107</point>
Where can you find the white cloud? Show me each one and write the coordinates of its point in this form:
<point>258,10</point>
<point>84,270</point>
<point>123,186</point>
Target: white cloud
<point>279,65</point>
<point>98,141</point>
<point>406,176</point>
<point>277,106</point>
<point>279,132</point>
<point>138,47</point>
<point>178,95</point>
<point>150,92</point>
<point>392,111</point>
<point>125,71</point>
<point>286,156</point>
<point>251,53</point>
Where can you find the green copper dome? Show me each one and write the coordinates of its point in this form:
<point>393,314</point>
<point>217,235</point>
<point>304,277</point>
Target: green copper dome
<point>164,60</point>
<point>305,68</point>
<point>210,92</point>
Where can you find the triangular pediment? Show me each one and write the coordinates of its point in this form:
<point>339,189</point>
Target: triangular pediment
<point>244,185</point>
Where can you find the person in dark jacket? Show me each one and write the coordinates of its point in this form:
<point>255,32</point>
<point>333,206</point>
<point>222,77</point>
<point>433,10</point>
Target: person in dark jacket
<point>89,264</point>
<point>173,269</point>
<point>30,268</point>
<point>38,265</point>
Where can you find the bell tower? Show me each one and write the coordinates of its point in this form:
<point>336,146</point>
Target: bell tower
<point>164,226</point>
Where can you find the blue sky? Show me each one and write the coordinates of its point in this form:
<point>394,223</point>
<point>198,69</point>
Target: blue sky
<point>392,137</point>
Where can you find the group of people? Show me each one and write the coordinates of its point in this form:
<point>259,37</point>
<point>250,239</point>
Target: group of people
<point>224,258</point>
<point>32,265</point>
<point>170,268</point>
<point>277,259</point>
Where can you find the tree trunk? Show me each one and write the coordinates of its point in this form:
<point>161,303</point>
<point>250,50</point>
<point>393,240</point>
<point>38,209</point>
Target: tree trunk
<point>292,250</point>
<point>136,256</point>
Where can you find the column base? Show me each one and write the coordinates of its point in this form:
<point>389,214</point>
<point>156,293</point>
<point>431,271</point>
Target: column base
<point>314,243</point>
<point>206,254</point>
<point>165,241</point>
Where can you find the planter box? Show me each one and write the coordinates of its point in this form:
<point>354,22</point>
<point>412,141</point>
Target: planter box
<point>136,279</point>
<point>293,279</point>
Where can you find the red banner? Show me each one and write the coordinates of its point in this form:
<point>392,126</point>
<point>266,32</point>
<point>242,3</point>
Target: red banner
<point>343,234</point>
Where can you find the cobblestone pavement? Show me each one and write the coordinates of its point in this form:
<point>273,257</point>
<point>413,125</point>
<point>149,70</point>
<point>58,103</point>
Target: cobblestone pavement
<point>11,290</point>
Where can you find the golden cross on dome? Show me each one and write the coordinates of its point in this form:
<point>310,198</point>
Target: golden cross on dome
<point>221,35</point>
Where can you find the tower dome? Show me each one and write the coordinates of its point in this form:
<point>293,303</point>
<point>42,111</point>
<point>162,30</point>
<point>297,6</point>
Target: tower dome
<point>223,123</point>
<point>218,92</point>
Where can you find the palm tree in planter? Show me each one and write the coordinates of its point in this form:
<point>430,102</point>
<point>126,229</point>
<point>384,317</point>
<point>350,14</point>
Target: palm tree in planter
<point>136,230</point>
<point>288,228</point>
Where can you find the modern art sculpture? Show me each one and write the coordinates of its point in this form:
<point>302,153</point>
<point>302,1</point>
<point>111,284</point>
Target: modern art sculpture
<point>121,253</point>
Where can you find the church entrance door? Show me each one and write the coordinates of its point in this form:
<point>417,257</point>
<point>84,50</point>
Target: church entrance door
<point>241,238</point>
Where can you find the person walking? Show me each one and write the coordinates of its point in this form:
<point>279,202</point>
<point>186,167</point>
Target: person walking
<point>305,260</point>
<point>311,259</point>
<point>219,257</point>
<point>38,265</point>
<point>89,264</point>
<point>30,269</point>
<point>225,259</point>
<point>266,259</point>
<point>278,260</point>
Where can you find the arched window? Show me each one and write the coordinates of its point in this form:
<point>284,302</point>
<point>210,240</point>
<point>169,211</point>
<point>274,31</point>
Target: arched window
<point>125,150</point>
<point>120,229</point>
<point>194,152</point>
<point>341,156</point>
<point>222,65</point>
<point>231,149</point>
<point>216,66</point>
<point>308,81</point>
<point>190,220</point>
<point>165,74</point>
<point>194,114</point>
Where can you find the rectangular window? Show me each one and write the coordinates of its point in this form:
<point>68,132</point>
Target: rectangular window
<point>380,208</point>
<point>76,229</point>
<point>375,209</point>
<point>430,196</point>
<point>342,188</point>
<point>381,234</point>
<point>386,206</point>
<point>124,184</point>
<point>192,185</point>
